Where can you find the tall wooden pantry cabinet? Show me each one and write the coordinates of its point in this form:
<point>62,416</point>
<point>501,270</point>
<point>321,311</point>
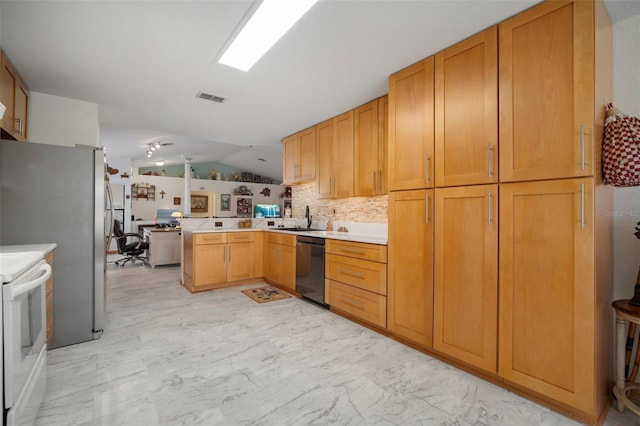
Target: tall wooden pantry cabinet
<point>503,264</point>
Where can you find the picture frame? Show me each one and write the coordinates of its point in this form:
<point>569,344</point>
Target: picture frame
<point>225,202</point>
<point>200,203</point>
<point>176,201</point>
<point>247,177</point>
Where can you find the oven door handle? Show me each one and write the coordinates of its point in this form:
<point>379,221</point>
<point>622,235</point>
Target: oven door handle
<point>30,285</point>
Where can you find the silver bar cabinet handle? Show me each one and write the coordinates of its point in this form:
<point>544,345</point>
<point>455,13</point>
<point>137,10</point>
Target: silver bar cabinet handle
<point>489,208</point>
<point>489,161</point>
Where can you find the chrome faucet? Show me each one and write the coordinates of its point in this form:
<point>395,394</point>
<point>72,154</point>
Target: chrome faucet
<point>308,216</point>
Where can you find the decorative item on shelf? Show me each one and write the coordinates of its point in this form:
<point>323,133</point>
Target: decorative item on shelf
<point>247,177</point>
<point>257,178</point>
<point>124,175</point>
<point>242,190</point>
<point>266,192</point>
<point>287,192</point>
<point>143,191</point>
<point>212,174</point>
<point>236,177</point>
<point>267,180</point>
<point>635,300</point>
<point>226,176</point>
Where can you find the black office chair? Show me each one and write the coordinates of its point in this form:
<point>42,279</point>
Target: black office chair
<point>131,251</point>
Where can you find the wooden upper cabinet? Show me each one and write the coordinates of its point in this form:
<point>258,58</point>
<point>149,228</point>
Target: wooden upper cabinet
<point>299,156</point>
<point>466,111</point>
<point>410,267</point>
<point>546,303</point>
<point>370,140</point>
<point>343,155</point>
<point>465,320</point>
<point>335,157</point>
<point>14,95</point>
<point>290,159</point>
<point>324,154</point>
<point>411,127</point>
<point>546,92</point>
<point>307,154</point>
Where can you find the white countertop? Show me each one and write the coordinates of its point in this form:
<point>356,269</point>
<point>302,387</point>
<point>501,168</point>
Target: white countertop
<point>346,236</point>
<point>21,248</point>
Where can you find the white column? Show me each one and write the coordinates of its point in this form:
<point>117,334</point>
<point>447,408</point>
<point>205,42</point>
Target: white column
<point>187,186</point>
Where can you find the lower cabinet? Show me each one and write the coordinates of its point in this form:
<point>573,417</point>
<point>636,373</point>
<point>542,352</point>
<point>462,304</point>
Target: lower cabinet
<point>465,294</point>
<point>410,292</point>
<point>280,260</point>
<point>549,327</point>
<point>356,280</point>
<point>213,260</point>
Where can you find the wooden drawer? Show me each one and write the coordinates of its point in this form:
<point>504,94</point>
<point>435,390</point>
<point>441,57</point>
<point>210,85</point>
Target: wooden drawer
<point>274,237</point>
<point>364,274</point>
<point>374,252</point>
<point>362,304</point>
<point>289,240</point>
<point>212,238</point>
<point>240,237</point>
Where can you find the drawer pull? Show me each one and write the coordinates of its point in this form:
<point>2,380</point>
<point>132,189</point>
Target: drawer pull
<point>351,250</point>
<point>351,302</point>
<point>349,272</point>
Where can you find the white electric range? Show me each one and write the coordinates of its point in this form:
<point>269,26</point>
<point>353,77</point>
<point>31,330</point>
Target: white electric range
<point>24,357</point>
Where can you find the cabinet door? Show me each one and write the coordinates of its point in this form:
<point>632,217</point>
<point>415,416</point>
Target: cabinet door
<point>9,81</point>
<point>546,302</point>
<point>290,159</point>
<point>367,149</point>
<point>271,265</point>
<point>20,112</point>
<point>240,261</point>
<point>546,92</point>
<point>466,112</point>
<point>410,280</point>
<point>465,290</point>
<point>342,160</point>
<point>411,127</point>
<point>383,146</point>
<point>287,263</point>
<point>210,264</point>
<point>324,153</point>
<point>307,154</point>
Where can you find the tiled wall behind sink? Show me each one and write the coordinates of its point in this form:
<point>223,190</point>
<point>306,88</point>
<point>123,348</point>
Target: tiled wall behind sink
<point>354,209</point>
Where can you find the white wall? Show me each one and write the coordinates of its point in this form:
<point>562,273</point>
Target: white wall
<point>174,187</point>
<point>626,89</point>
<point>62,121</point>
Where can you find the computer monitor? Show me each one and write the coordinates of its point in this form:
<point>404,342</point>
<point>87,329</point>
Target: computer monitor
<point>267,210</point>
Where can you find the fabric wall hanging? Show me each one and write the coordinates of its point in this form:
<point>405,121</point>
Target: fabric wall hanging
<point>621,149</point>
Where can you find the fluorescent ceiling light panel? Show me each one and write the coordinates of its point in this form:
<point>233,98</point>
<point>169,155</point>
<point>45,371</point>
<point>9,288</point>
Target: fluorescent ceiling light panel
<point>271,20</point>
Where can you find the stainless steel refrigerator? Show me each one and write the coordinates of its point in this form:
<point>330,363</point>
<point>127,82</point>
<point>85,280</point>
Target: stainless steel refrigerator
<point>57,194</point>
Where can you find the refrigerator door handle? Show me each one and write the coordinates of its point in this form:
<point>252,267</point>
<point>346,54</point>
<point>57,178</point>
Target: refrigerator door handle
<point>111,210</point>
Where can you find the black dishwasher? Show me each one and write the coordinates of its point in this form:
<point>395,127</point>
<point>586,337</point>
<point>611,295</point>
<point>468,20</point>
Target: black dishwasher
<point>310,269</point>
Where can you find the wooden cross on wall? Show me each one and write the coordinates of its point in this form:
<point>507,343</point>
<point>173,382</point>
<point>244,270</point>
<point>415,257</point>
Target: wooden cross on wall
<point>162,194</point>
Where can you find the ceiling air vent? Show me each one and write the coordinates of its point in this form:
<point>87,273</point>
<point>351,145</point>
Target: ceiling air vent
<point>210,97</point>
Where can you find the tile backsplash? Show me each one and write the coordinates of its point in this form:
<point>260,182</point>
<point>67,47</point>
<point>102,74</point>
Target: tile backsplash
<point>354,209</point>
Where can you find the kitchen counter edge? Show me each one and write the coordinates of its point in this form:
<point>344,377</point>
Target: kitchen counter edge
<point>21,248</point>
<point>345,236</point>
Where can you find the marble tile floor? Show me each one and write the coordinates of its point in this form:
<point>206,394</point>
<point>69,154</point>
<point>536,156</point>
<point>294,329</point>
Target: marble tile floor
<point>168,357</point>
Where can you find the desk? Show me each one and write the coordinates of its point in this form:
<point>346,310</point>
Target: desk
<point>624,345</point>
<point>165,245</point>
